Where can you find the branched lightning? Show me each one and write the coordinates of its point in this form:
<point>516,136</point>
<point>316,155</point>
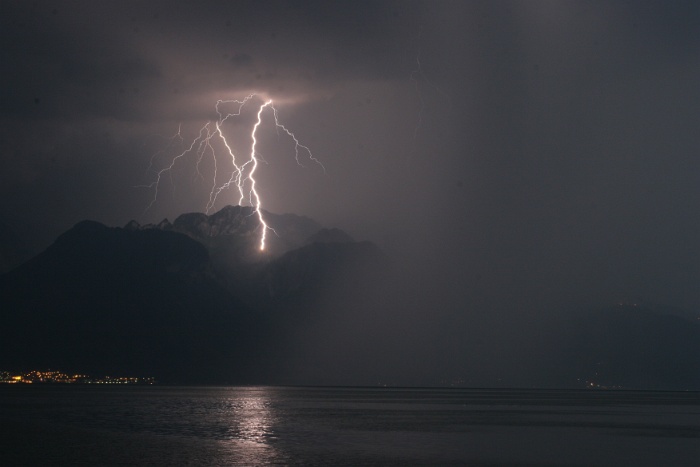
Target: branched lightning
<point>297,144</point>
<point>253,191</point>
<point>176,136</point>
<point>159,174</point>
<point>243,174</point>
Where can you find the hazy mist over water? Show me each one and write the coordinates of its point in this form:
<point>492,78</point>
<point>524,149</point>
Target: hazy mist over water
<point>54,425</point>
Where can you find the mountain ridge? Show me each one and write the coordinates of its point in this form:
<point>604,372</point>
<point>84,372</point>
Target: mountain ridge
<point>196,301</point>
<point>287,231</point>
<point>155,300</point>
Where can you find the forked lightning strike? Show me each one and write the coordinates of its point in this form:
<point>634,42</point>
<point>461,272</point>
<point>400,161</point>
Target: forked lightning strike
<point>253,191</point>
<point>243,174</point>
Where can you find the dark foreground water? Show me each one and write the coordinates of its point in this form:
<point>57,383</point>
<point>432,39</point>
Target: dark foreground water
<point>85,425</point>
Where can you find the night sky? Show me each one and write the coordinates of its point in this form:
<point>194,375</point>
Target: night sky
<point>522,161</point>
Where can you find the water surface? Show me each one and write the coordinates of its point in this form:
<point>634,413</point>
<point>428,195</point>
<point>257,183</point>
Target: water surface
<point>153,425</point>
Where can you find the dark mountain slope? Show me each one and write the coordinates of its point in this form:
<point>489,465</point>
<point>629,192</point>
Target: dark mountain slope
<point>632,347</point>
<point>234,232</point>
<point>13,250</point>
<point>111,300</point>
<point>200,306</point>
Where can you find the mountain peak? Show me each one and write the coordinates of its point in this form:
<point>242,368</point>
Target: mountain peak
<point>235,229</point>
<point>184,302</point>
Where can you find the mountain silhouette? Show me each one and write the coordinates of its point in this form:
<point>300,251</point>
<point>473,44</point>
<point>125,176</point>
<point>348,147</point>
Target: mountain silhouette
<point>13,250</point>
<point>630,346</point>
<point>196,301</point>
<point>191,301</point>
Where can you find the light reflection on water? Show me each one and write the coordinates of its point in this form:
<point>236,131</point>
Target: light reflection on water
<point>252,417</point>
<point>240,419</point>
<point>346,426</point>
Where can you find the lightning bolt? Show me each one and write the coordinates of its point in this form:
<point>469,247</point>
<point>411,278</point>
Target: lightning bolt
<point>159,174</point>
<point>242,177</point>
<point>297,144</point>
<point>253,191</point>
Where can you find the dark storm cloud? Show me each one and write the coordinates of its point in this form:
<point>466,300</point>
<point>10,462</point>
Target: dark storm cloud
<point>79,72</point>
<point>242,59</point>
<point>66,68</point>
<point>521,158</point>
<point>132,60</point>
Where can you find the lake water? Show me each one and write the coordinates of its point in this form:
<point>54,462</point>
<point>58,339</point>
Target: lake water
<point>155,425</point>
